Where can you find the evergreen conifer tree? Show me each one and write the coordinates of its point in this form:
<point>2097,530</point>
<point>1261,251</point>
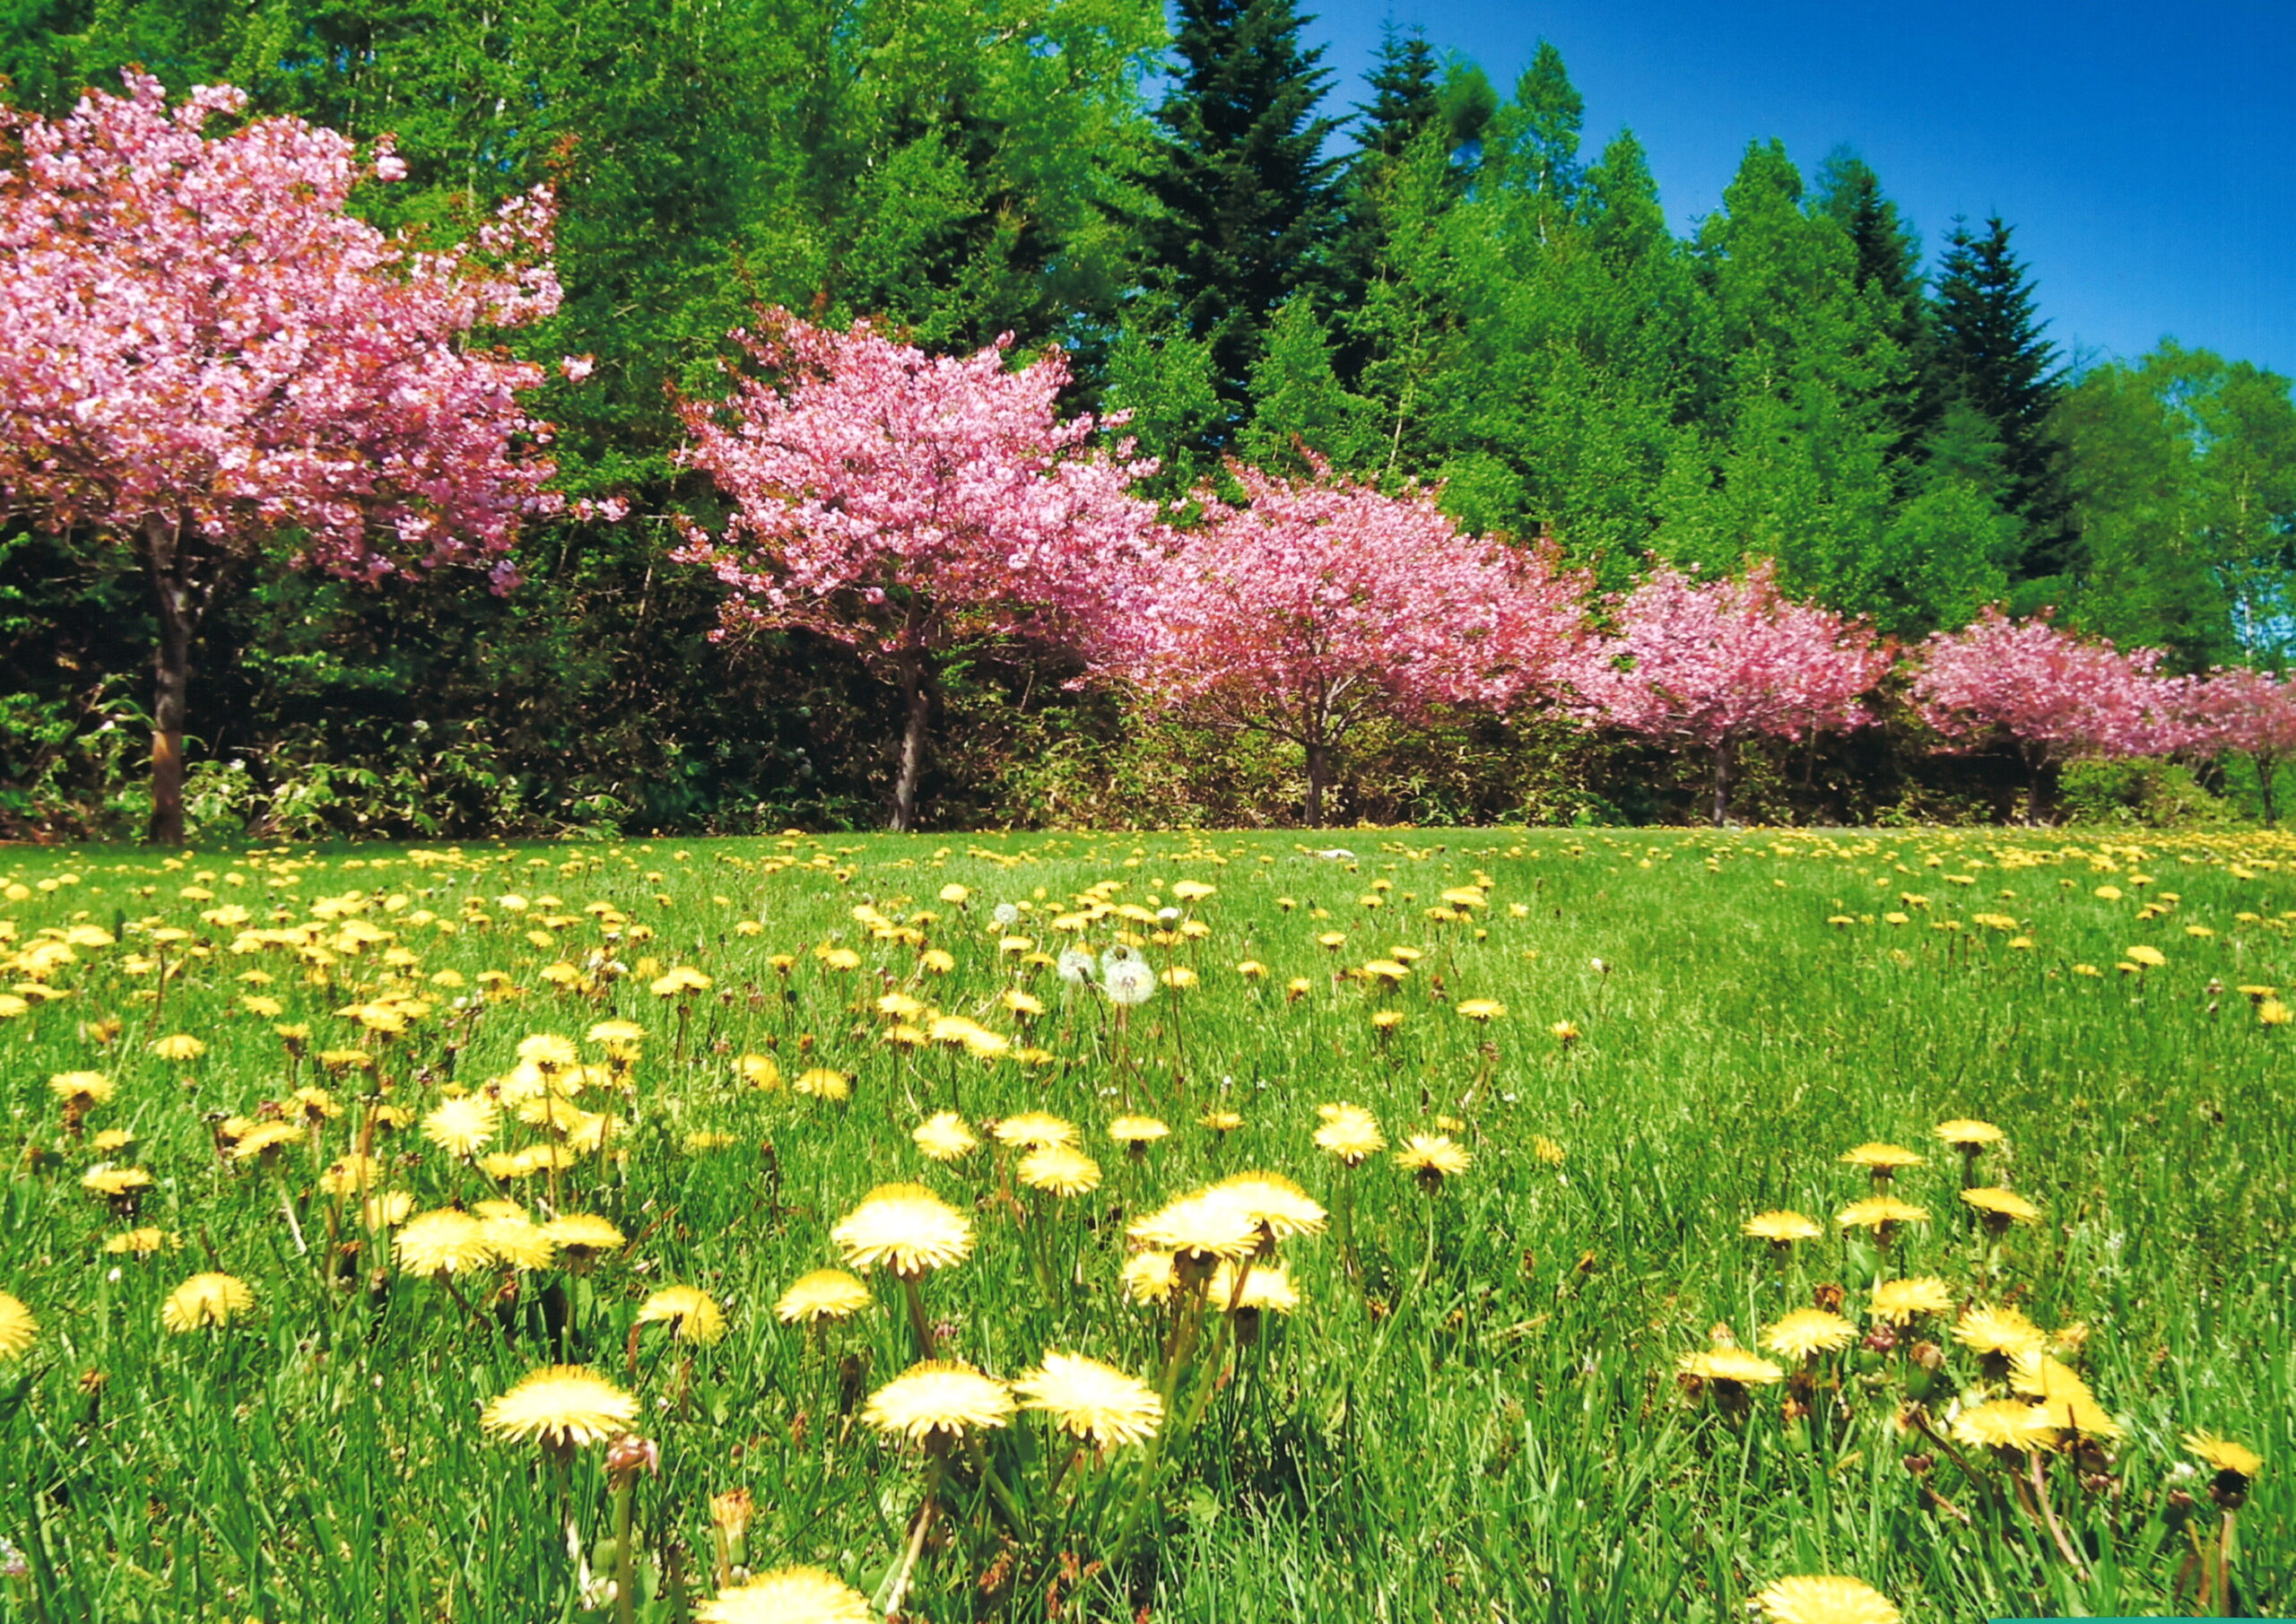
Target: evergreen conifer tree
<point>1246,194</point>
<point>1991,351</point>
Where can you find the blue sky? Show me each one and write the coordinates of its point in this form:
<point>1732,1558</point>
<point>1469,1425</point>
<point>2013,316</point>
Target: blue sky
<point>2145,156</point>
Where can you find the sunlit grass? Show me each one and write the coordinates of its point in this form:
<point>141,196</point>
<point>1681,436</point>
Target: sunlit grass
<point>1478,1405</point>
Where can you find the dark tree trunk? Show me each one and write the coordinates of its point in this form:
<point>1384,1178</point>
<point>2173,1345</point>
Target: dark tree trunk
<point>1721,784</point>
<point>1322,760</point>
<point>177,604</point>
<point>2036,766</point>
<point>917,709</point>
<point>2267,766</point>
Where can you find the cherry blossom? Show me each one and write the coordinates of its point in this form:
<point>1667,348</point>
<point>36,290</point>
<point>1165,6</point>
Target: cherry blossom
<point>2247,712</point>
<point>904,504</point>
<point>2054,696</point>
<point>1708,666</point>
<point>1321,602</point>
<point>207,361</point>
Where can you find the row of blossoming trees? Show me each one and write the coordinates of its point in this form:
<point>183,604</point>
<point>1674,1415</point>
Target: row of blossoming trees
<point>908,504</point>
<point>208,360</point>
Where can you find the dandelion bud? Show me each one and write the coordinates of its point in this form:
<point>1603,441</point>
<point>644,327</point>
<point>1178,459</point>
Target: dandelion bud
<point>730,1512</point>
<point>629,1454</point>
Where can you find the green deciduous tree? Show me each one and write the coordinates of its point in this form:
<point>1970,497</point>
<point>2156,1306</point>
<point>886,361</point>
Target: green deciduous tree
<point>2184,504</point>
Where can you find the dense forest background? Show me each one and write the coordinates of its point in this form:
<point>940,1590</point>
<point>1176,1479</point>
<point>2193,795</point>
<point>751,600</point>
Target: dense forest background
<point>1420,278</point>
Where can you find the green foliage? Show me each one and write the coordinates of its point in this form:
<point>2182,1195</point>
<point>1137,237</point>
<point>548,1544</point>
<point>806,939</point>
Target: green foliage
<point>2184,499</point>
<point>2146,795</point>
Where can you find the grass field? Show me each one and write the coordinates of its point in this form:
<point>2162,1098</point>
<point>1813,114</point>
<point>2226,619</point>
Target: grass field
<point>1478,1407</point>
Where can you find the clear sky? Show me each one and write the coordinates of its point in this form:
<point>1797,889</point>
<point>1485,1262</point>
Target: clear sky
<point>2145,155</point>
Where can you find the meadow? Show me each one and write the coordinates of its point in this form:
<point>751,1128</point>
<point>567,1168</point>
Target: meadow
<point>315,1157</point>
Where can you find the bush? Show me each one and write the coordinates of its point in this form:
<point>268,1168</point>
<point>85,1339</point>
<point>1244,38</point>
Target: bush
<point>2148,795</point>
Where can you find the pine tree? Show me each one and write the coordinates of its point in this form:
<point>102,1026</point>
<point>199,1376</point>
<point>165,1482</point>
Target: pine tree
<point>1991,351</point>
<point>1246,194</point>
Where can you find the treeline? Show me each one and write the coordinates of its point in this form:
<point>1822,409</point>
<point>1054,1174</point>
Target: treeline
<point>1445,285</point>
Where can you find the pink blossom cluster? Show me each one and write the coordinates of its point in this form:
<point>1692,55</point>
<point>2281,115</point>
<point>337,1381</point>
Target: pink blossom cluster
<point>1316,602</point>
<point>901,502</point>
<point>1708,665</point>
<point>2241,710</point>
<point>2056,696</point>
<point>196,333</point>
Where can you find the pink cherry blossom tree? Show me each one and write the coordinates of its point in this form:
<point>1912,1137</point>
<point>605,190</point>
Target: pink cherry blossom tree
<point>905,504</point>
<point>1321,602</point>
<point>2246,712</point>
<point>2054,696</point>
<point>1709,666</point>
<point>210,366</point>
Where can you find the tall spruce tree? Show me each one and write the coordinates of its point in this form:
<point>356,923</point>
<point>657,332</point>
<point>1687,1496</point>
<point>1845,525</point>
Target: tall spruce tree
<point>1889,272</point>
<point>1246,196</point>
<point>1991,351</point>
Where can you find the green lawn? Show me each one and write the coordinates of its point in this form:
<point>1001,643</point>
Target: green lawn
<point>1474,1412</point>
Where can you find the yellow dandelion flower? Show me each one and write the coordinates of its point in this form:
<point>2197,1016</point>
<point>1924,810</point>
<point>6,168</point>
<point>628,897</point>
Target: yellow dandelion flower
<point>788,1595</point>
<point>1349,1132</point>
<point>385,1210</point>
<point>2224,1455</point>
<point>140,1242</point>
<point>1035,1130</point>
<point>1220,1122</point>
<point>1898,1301</point>
<point>824,1294</point>
<point>1483,1010</point>
<point>115,1184</point>
<point>464,1127</point>
<point>584,1234</point>
<point>1879,1213</point>
<point>265,1137</point>
<point>944,1137</point>
<point>1267,1288</point>
<point>938,1397</point>
<point>1097,1404</point>
<point>179,1047</point>
<point>2002,1208</point>
<point>560,1405</point>
<point>2150,957</point>
<point>351,1175</point>
<point>1132,1132</point>
<point>1883,1158</point>
<point>517,1242</point>
<point>83,1087</point>
<point>823,1082</point>
<point>1431,1158</point>
<point>17,1328</point>
<point>2002,1332</point>
<point>1274,1202</point>
<point>1060,1170</point>
<point>759,1071</point>
<point>691,1314</point>
<point>1731,1365</point>
<point>1200,1226</point>
<point>2002,1423</point>
<point>1967,1134</point>
<point>1149,1277</point>
<point>205,1299</point>
<point>906,1226</point>
<point>1809,1331</point>
<point>1823,1599</point>
<point>444,1241</point>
